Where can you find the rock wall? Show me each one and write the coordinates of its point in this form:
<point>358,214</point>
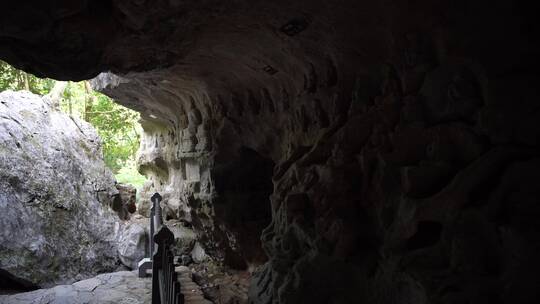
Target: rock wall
<point>55,193</point>
<point>221,188</point>
<point>402,134</point>
<point>226,204</point>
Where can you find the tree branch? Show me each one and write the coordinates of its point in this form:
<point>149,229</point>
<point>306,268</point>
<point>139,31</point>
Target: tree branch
<point>103,112</point>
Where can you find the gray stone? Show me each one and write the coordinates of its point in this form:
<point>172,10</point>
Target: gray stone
<point>125,202</point>
<point>133,243</point>
<point>121,287</point>
<point>55,194</point>
<point>198,254</point>
<point>184,238</point>
<point>87,285</point>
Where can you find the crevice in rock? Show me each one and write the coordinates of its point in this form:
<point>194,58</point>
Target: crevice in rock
<point>11,284</point>
<point>428,233</point>
<point>244,185</point>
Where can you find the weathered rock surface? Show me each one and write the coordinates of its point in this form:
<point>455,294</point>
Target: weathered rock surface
<point>111,288</point>
<point>221,284</point>
<point>55,192</point>
<point>391,145</point>
<point>190,289</point>
<point>133,242</point>
<point>124,203</point>
<point>198,255</point>
<point>184,238</point>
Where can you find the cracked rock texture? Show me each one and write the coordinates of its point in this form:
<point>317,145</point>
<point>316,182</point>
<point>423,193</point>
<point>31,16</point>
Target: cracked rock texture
<point>55,193</point>
<point>390,148</point>
<point>133,241</point>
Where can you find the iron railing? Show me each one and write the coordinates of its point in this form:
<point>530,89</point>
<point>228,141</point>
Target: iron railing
<point>165,285</point>
<point>146,264</point>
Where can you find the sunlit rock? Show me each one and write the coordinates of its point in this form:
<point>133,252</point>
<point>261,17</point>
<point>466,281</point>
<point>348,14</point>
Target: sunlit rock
<point>133,242</point>
<point>55,193</point>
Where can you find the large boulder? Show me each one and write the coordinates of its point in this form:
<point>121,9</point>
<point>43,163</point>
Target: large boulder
<point>133,242</point>
<point>184,237</point>
<point>55,192</point>
<point>124,201</point>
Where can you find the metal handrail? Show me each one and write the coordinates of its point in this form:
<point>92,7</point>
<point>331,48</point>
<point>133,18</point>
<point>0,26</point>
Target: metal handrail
<point>146,263</point>
<point>165,285</point>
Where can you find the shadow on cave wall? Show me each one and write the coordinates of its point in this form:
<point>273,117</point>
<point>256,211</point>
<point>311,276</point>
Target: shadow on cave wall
<point>244,185</point>
<point>10,284</point>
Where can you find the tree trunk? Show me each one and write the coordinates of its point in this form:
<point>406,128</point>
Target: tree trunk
<point>88,101</point>
<point>55,95</point>
<point>20,80</point>
<point>70,107</point>
<point>26,82</point>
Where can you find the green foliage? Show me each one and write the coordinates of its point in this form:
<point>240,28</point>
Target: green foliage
<point>13,79</point>
<point>129,175</point>
<point>117,126</point>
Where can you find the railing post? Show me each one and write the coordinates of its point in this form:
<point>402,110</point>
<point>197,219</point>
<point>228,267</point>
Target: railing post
<point>158,219</point>
<point>165,285</point>
<point>151,239</point>
<point>146,263</point>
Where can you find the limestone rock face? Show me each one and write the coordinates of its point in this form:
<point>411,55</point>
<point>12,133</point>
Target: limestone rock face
<point>133,242</point>
<point>125,202</point>
<point>389,147</point>
<point>55,192</point>
<point>227,206</point>
<point>197,253</point>
<point>184,238</point>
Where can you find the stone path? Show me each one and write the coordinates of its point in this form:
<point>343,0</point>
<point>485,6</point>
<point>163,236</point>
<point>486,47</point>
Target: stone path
<point>111,288</point>
<point>191,291</point>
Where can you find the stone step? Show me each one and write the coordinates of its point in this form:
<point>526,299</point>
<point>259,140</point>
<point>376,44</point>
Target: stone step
<point>191,291</point>
<point>203,301</point>
<point>189,286</point>
<point>190,294</point>
<point>192,301</point>
<point>194,297</point>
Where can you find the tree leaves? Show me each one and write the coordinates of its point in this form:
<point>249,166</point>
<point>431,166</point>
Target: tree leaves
<point>16,80</point>
<point>117,126</point>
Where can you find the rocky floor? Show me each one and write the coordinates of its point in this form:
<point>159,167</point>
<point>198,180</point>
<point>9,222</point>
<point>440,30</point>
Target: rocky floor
<point>119,288</point>
<point>204,283</point>
<point>219,284</point>
<point>191,291</point>
<point>228,288</point>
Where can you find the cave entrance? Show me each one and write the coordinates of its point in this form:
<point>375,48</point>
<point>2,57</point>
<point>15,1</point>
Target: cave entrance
<point>244,186</point>
<point>117,126</point>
